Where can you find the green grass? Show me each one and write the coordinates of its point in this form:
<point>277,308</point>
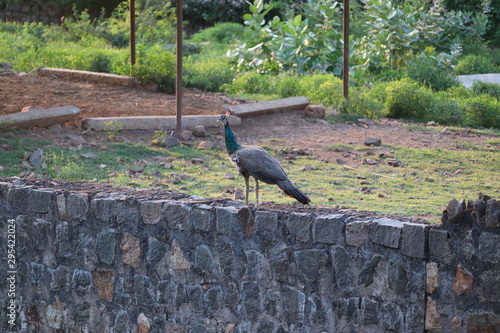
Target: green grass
<point>422,187</point>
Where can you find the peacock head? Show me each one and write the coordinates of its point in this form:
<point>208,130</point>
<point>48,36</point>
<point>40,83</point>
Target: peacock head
<point>223,119</point>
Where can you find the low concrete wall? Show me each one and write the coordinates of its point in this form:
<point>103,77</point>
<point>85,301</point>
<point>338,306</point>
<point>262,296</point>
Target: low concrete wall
<point>78,262</point>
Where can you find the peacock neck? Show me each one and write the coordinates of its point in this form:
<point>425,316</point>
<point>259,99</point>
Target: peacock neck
<point>231,145</point>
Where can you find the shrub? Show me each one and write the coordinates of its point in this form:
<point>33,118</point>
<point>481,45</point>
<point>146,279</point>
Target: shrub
<point>322,89</point>
<point>407,99</point>
<point>208,75</point>
<point>482,111</point>
<point>473,64</point>
<point>361,104</point>
<point>436,77</point>
<point>445,110</point>
<point>220,33</point>
<point>487,88</point>
<point>251,83</point>
<point>288,85</point>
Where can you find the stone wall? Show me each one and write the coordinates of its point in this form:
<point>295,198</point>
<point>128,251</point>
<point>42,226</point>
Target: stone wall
<point>86,263</point>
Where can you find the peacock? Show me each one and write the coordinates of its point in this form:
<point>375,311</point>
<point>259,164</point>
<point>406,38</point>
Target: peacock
<point>258,163</point>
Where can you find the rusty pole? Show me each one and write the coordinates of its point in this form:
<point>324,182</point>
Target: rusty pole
<point>132,34</point>
<point>178,79</point>
<point>345,62</point>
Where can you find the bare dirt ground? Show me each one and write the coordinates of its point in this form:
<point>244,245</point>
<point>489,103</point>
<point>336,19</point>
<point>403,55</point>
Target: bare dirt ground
<point>100,100</point>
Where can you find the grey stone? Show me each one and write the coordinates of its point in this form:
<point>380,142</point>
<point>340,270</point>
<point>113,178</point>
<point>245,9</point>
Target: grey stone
<point>178,216</point>
<point>299,224</point>
<point>199,131</point>
<point>202,218</point>
<point>247,221</point>
<point>44,234</point>
<point>392,317</point>
<point>62,238</point>
<point>492,216</point>
<point>398,277</point>
<point>37,273</point>
<point>356,233</point>
<point>77,206</point>
<point>41,201</point>
<point>294,304</point>
<point>225,219</point>
<point>156,251</point>
<point>329,229</point>
<point>151,211</point>
<point>490,289</point>
<point>369,311</point>
<point>489,247</point>
<point>367,272</point>
<point>214,298</point>
<point>106,245</point>
<point>439,242</point>
<point>203,258</point>
<point>341,262</point>
<point>121,324</point>
<point>81,279</point>
<point>144,290</point>
<point>59,278</point>
<point>180,295</point>
<point>415,240</point>
<point>348,310</point>
<point>266,224</point>
<point>251,299</point>
<point>373,142</point>
<point>104,210</point>
<point>311,262</point>
<point>386,232</point>
<point>199,328</point>
<point>16,197</point>
<point>318,311</point>
<point>484,323</point>
<point>226,256</point>
<point>195,297</point>
<point>123,291</point>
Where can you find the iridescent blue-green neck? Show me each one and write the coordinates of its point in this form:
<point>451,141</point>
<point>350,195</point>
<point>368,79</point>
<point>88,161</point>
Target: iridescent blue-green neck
<point>231,144</point>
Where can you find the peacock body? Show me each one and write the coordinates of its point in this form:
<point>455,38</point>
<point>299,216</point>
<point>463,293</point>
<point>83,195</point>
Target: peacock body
<point>258,163</point>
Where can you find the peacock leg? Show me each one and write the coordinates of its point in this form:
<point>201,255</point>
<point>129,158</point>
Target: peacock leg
<point>257,190</point>
<point>246,188</point>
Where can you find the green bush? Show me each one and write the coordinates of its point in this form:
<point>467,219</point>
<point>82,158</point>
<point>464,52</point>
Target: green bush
<point>323,89</point>
<point>430,75</point>
<point>220,33</point>
<point>251,83</point>
<point>445,110</point>
<point>209,75</point>
<point>361,104</point>
<point>481,111</point>
<point>474,64</point>
<point>288,85</point>
<point>487,88</point>
<point>407,99</point>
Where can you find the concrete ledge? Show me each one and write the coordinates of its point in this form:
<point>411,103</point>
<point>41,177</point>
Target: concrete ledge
<point>468,80</point>
<point>283,104</point>
<point>155,123</point>
<point>122,80</point>
<point>39,118</point>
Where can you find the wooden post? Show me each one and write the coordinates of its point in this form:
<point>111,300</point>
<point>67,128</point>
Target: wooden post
<point>178,79</point>
<point>132,34</point>
<point>345,61</point>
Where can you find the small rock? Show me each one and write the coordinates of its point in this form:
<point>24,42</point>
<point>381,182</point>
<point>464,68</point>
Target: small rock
<point>55,128</point>
<point>77,139</point>
<point>373,142</point>
<point>395,163</point>
<point>206,145</point>
<point>308,167</point>
<point>229,176</point>
<point>341,161</point>
<point>30,108</point>
<point>238,194</point>
<point>5,66</point>
<point>430,123</point>
<point>366,122</point>
<point>315,111</point>
<point>463,280</point>
<point>186,135</point>
<point>199,131</point>
<point>36,159</point>
<point>369,161</point>
<point>464,133</point>
<point>197,161</point>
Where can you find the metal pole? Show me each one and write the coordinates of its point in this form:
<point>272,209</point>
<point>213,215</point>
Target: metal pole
<point>345,62</point>
<point>132,34</point>
<point>178,79</point>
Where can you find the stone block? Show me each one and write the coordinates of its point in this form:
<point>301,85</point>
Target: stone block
<point>341,262</point>
<point>463,280</point>
<point>151,211</point>
<point>143,290</point>
<point>369,311</point>
<point>257,266</point>
<point>40,117</point>
<point>247,221</point>
<point>105,246</point>
<point>310,262</point>
<point>225,219</point>
<point>104,209</point>
<point>251,299</point>
<point>178,261</point>
<point>386,232</point>
<point>348,310</point>
<point>64,247</point>
<point>484,323</point>
<point>195,297</point>
<point>59,278</point>
<point>177,215</point>
<point>143,324</point>
<point>432,277</point>
<point>81,279</point>
<point>266,224</point>
<point>489,247</point>
<point>432,316</point>
<point>156,251</point>
<point>299,225</point>
<point>294,302</point>
<point>42,201</point>
<point>329,229</point>
<point>77,206</point>
<point>214,298</point>
<point>16,197</point>
<point>415,240</point>
<point>202,218</point>
<point>121,323</point>
<point>356,233</point>
<point>130,247</point>
<point>367,273</point>
<point>44,234</point>
<point>104,281</point>
<point>203,258</point>
<point>439,242</point>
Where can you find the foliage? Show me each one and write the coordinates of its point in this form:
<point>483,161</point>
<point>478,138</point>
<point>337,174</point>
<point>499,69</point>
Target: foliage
<point>445,110</point>
<point>361,104</point>
<point>430,69</point>
<point>482,110</point>
<point>210,75</point>
<point>407,99</point>
<point>209,12</point>
<point>226,33</point>
<point>251,82</point>
<point>487,88</point>
<point>474,64</point>
<point>301,43</point>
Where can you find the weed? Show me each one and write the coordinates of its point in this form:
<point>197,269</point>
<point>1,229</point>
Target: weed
<point>112,128</point>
